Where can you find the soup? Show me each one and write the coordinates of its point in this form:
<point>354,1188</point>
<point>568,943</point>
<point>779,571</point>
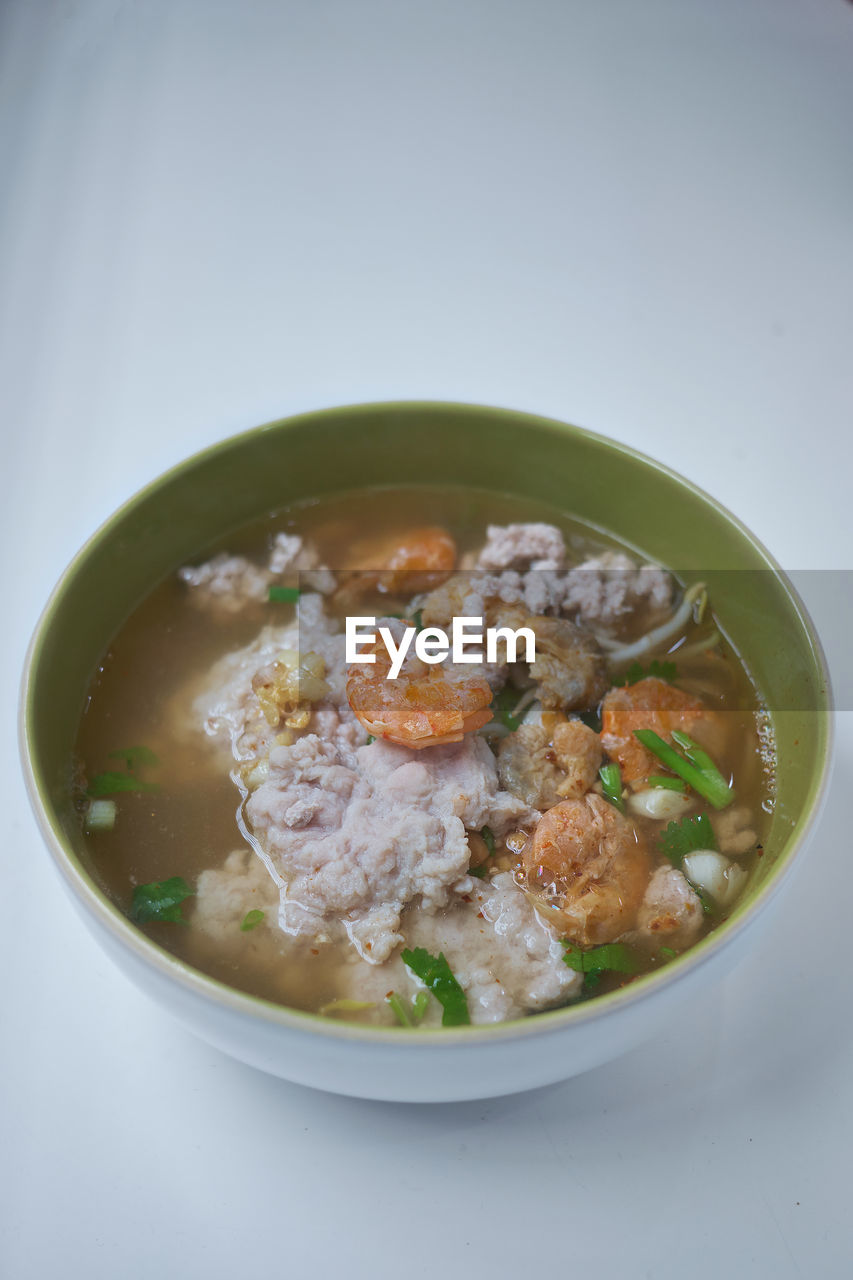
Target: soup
<point>285,781</point>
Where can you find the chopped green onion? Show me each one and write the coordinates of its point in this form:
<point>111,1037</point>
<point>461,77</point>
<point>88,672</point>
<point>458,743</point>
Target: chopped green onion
<point>667,953</point>
<point>698,771</point>
<point>419,1006</point>
<point>489,839</point>
<point>408,1015</point>
<point>611,782</point>
<point>399,1009</point>
<point>107,784</point>
<point>436,974</point>
<point>283,595</point>
<point>669,784</point>
<point>503,703</point>
<point>480,872</point>
<point>133,756</point>
<point>697,756</point>
<point>345,1006</point>
<point>160,900</point>
<point>371,737</point>
<point>101,815</point>
<point>418,619</point>
<point>251,920</point>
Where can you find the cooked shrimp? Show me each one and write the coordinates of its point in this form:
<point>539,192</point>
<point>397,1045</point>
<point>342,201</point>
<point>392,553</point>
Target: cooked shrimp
<point>648,704</point>
<point>543,764</point>
<point>570,670</point>
<point>404,564</point>
<point>426,705</point>
<point>591,865</point>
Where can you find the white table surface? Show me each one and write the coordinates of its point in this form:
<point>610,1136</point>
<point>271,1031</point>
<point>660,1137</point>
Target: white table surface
<point>632,215</point>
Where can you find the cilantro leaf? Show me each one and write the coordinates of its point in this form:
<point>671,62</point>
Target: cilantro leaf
<point>685,836</point>
<point>436,974</point>
<point>661,670</point>
<point>252,919</point>
<point>107,784</point>
<point>160,900</point>
<point>283,595</point>
<point>612,957</point>
<point>488,839</point>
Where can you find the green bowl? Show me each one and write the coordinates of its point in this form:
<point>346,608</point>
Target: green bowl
<point>175,518</point>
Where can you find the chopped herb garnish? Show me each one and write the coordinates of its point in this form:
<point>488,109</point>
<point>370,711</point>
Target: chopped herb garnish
<point>436,974</point>
<point>661,670</point>
<point>419,1006</point>
<point>489,839</point>
<point>669,784</point>
<point>503,704</point>
<point>685,836</point>
<point>107,784</point>
<point>110,782</point>
<point>418,619</point>
<point>479,872</point>
<point>283,595</point>
<point>399,1009</point>
<point>345,1005</point>
<point>667,953</point>
<point>160,900</point>
<point>611,783</point>
<point>252,919</point>
<point>135,756</point>
<point>101,815</point>
<point>592,720</point>
<point>371,737</point>
<point>698,769</point>
<point>613,957</point>
<point>408,1015</point>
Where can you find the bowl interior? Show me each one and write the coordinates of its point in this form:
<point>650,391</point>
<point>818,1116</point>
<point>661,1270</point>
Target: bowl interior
<point>177,516</point>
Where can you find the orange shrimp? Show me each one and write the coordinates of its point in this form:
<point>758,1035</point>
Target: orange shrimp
<point>592,864</point>
<point>425,706</point>
<point>418,560</point>
<point>648,704</point>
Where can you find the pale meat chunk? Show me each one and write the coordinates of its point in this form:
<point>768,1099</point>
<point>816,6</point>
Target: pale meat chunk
<point>522,546</point>
<point>359,843</point>
<point>671,913</point>
<point>226,584</point>
<point>507,959</point>
<point>605,590</point>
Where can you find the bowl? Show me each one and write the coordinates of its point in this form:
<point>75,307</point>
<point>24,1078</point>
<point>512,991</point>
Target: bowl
<point>174,519</point>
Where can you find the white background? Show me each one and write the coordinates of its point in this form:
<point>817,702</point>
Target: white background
<point>631,214</point>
